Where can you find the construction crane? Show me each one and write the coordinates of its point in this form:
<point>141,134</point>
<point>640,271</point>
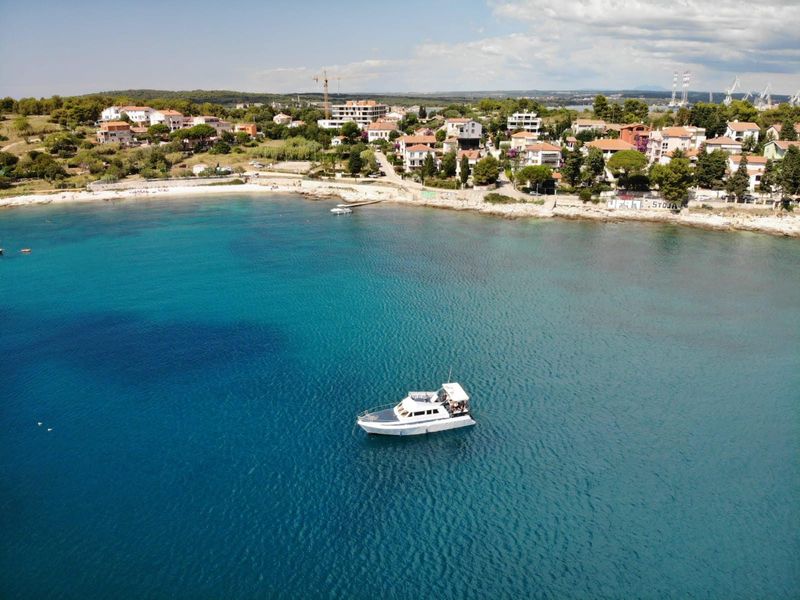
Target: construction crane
<point>795,100</point>
<point>748,95</point>
<point>729,92</point>
<point>326,106</point>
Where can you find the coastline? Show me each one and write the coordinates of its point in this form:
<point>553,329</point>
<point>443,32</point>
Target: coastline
<point>565,207</point>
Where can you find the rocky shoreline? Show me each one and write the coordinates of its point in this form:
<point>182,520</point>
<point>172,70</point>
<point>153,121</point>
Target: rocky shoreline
<point>567,207</point>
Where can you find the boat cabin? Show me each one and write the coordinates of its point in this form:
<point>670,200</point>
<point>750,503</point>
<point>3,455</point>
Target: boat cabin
<point>450,401</point>
<point>453,396</point>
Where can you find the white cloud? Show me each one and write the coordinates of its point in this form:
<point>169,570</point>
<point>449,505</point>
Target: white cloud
<point>589,44</point>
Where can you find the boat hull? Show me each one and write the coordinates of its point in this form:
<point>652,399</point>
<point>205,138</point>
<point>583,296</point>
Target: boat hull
<point>380,428</point>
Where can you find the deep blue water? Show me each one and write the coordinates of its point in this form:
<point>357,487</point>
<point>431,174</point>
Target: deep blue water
<point>201,361</point>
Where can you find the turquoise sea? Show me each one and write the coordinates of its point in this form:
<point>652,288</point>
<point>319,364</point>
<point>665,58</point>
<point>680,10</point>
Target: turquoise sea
<point>197,365</point>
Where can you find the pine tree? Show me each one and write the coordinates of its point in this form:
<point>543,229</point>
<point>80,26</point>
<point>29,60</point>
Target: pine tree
<point>788,132</point>
<point>464,168</point>
<point>571,171</point>
<point>790,171</point>
<point>428,166</point>
<point>739,183</point>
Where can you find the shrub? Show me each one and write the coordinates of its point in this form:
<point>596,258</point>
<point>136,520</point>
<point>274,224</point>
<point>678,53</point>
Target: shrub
<point>585,195</point>
<point>495,198</point>
<point>447,184</point>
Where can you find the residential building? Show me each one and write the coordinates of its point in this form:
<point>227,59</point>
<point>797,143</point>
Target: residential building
<point>218,124</point>
<point>415,140</point>
<point>581,125</point>
<point>727,144</point>
<point>775,150</point>
<point>521,139</point>
<point>609,147</point>
<point>414,156</point>
<point>571,142</point>
<point>243,105</point>
<point>380,130</point>
<point>741,130</point>
<point>171,118</point>
<point>450,145</point>
<point>140,115</point>
<point>282,119</point>
<point>360,112</point>
<point>297,123</point>
<point>774,132</point>
<point>250,129</point>
<point>526,121</point>
<point>663,142</point>
<point>337,140</point>
<point>111,114</point>
<point>467,131</point>
<point>542,153</point>
<point>115,131</point>
<point>473,156</point>
<point>755,168</point>
<point>637,134</point>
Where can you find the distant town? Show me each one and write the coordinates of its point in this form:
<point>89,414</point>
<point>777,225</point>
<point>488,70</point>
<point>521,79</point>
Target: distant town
<point>620,151</point>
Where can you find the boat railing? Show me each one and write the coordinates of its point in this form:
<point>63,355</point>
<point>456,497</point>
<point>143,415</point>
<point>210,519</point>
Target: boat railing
<point>375,409</point>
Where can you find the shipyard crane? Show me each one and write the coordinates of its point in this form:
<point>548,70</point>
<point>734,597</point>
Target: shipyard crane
<point>687,77</point>
<point>673,102</point>
<point>765,98</point>
<point>748,95</point>
<point>729,92</point>
<point>795,100</point>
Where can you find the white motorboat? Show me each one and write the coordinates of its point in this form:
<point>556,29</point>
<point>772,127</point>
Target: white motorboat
<point>339,210</point>
<point>420,412</point>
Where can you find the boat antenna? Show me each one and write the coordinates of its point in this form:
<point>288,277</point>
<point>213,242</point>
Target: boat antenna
<point>450,375</point>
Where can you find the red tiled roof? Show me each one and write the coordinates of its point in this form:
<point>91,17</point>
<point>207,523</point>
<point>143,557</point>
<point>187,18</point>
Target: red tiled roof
<point>607,145</point>
<point>382,126</point>
<point>418,139</point>
<point>723,141</point>
<point>542,147</point>
<point>742,126</point>
<point>418,148</point>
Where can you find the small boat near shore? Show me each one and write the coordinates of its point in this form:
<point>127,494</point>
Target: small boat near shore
<point>420,412</point>
<point>341,210</point>
<point>25,251</point>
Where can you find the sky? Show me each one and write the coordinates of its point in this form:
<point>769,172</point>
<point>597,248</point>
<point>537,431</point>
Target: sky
<point>82,46</point>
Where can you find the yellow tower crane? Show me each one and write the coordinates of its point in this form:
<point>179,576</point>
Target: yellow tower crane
<point>326,106</point>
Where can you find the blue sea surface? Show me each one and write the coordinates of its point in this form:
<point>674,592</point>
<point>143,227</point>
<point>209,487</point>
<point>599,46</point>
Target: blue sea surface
<point>197,365</point>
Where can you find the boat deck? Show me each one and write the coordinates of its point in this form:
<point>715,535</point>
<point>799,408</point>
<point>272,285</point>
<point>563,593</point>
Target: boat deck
<point>382,416</point>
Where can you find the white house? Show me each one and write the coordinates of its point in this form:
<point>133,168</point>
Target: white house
<point>526,121</point>
<point>727,144</point>
<point>112,114</point>
<point>466,130</point>
<point>218,124</point>
<point>450,145</point>
<point>521,139</point>
<point>741,130</point>
<point>663,142</point>
<point>774,132</point>
<point>380,130</point>
<point>414,156</point>
<point>337,140</point>
<point>137,114</point>
<point>473,156</point>
<point>282,119</point>
<point>405,141</point>
<point>542,153</point>
<point>609,147</point>
<point>581,125</point>
<point>171,118</point>
<point>755,168</point>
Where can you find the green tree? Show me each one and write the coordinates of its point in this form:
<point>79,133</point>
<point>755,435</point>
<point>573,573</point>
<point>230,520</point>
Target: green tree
<point>595,163</point>
<point>768,178</point>
<point>534,176</point>
<point>354,163</point>
<point>710,170</point>
<point>423,113</point>
<point>635,110</point>
<point>486,171</point>
<point>738,184</point>
<point>683,116</point>
<point>369,160</point>
<point>61,143</point>
<point>350,132</point>
<point>674,179</point>
<point>464,170</point>
<point>441,135</point>
<point>788,132</point>
<point>710,117</point>
<point>571,171</point>
<point>220,147</point>
<point>429,166</point>
<point>627,162</point>
<point>614,113</point>
<point>600,106</point>
<point>790,171</point>
<point>449,164</point>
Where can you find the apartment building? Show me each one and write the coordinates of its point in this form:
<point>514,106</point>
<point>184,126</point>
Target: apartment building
<point>360,112</point>
<point>530,122</point>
